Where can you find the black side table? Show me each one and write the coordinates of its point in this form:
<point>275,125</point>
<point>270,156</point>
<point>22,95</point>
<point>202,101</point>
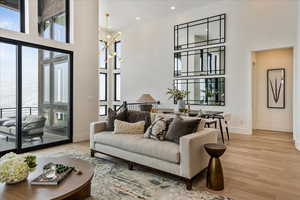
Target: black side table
<point>215,179</point>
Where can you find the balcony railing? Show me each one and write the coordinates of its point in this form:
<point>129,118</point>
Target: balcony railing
<point>11,112</point>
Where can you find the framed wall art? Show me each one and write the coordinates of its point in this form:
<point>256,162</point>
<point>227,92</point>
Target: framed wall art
<point>276,88</point>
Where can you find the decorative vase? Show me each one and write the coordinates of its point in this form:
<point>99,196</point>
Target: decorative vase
<point>180,105</point>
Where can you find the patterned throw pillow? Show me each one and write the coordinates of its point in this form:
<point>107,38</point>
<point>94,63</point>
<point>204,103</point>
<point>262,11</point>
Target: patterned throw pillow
<point>131,128</point>
<point>158,129</point>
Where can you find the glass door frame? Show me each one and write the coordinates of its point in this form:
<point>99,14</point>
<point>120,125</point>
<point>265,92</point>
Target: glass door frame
<point>19,45</point>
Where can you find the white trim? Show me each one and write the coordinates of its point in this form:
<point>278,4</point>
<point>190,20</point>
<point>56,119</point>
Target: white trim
<point>82,137</point>
<point>240,130</point>
<point>297,145</point>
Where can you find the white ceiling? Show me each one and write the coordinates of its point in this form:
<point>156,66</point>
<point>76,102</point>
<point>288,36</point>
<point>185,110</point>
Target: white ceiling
<point>123,13</point>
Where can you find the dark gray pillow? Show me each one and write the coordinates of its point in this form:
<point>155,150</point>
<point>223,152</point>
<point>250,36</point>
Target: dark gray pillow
<point>180,127</point>
<point>113,115</point>
<point>134,116</point>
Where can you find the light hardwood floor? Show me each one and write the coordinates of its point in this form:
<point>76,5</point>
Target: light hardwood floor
<point>263,166</point>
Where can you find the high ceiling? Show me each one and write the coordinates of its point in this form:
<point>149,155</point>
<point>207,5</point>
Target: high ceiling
<point>124,12</point>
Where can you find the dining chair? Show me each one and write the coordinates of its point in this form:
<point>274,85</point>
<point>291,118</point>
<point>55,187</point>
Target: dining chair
<point>226,120</point>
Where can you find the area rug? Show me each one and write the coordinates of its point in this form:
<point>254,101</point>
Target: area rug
<point>113,181</point>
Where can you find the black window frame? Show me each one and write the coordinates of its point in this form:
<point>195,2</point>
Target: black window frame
<point>105,110</point>
<point>19,44</point>
<point>202,52</point>
<point>116,56</point>
<point>105,56</point>
<point>204,21</point>
<point>216,80</point>
<point>106,86</point>
<point>115,86</point>
<point>67,14</point>
<point>21,17</point>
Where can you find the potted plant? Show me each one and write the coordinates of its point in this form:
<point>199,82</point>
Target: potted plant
<point>15,168</point>
<point>178,95</point>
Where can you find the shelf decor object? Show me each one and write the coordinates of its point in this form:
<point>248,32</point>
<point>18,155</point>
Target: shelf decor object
<point>276,88</point>
<point>199,33</point>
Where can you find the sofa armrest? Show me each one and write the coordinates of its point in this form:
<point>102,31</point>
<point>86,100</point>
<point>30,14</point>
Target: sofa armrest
<point>193,157</point>
<point>96,127</point>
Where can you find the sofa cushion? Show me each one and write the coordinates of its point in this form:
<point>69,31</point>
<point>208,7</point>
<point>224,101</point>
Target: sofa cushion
<point>134,116</point>
<point>136,143</point>
<point>112,116</point>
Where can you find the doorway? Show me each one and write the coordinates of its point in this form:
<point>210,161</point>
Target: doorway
<point>272,90</point>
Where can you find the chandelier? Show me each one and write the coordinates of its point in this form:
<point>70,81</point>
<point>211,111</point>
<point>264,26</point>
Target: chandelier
<point>110,38</point>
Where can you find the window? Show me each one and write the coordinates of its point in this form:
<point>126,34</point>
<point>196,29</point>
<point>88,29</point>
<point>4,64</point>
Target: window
<point>102,55</point>
<point>61,82</point>
<point>109,78</point>
<point>203,91</point>
<point>12,15</point>
<point>103,110</point>
<point>103,86</point>
<point>54,19</point>
<point>116,107</point>
<point>36,85</point>
<point>200,62</point>
<point>46,76</point>
<point>118,55</point>
<point>117,87</point>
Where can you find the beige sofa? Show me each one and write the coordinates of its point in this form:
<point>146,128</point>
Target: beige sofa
<point>185,160</point>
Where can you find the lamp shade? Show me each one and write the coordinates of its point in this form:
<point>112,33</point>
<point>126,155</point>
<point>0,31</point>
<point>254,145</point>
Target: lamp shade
<point>146,98</point>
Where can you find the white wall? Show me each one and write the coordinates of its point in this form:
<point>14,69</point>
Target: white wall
<point>251,26</point>
<point>296,112</point>
<point>84,28</point>
<point>268,118</point>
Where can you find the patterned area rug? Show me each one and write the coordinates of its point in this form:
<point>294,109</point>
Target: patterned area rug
<point>113,181</point>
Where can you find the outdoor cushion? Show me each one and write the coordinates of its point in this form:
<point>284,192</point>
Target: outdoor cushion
<point>136,143</point>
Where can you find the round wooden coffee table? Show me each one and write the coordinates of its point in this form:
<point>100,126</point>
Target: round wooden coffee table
<point>73,187</point>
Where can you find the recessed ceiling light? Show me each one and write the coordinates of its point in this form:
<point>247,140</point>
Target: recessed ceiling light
<point>172,7</point>
<point>138,18</point>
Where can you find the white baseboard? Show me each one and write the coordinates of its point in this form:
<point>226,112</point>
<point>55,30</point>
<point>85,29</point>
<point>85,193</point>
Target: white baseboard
<point>297,145</point>
<point>238,130</point>
<point>81,137</point>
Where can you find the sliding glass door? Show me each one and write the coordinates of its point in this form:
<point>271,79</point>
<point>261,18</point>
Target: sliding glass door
<point>8,69</point>
<point>35,96</point>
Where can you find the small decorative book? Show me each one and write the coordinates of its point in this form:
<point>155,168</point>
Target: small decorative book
<point>53,174</point>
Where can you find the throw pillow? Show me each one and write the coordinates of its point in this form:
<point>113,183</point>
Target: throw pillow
<point>158,129</point>
<point>136,116</point>
<point>112,116</point>
<point>180,127</point>
<point>132,128</point>
<point>9,123</point>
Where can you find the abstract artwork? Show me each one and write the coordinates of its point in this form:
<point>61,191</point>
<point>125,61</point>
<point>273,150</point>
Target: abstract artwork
<point>276,88</point>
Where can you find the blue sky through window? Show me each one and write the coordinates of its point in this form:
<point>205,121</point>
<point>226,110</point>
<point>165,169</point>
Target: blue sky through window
<point>9,19</point>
